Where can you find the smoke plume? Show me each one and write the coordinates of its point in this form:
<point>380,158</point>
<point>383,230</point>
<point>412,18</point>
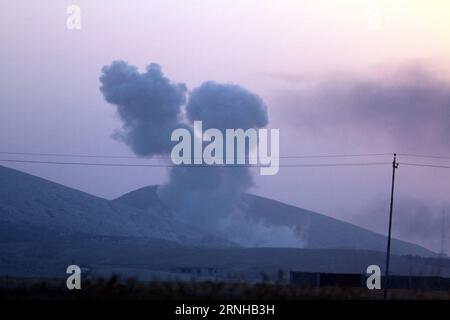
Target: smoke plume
<point>148,104</point>
<point>226,106</point>
<point>207,196</point>
<point>151,107</point>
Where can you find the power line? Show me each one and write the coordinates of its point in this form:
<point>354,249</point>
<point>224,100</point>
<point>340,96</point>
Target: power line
<point>71,155</point>
<point>156,165</point>
<point>312,156</point>
<point>424,165</point>
<point>67,155</point>
<point>338,155</point>
<point>423,156</point>
<point>193,165</point>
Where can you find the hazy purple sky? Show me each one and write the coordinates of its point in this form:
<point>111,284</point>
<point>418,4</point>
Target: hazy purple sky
<point>337,77</point>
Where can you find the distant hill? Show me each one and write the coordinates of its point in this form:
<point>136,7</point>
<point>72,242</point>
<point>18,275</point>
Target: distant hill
<point>318,231</point>
<point>32,201</point>
<point>45,226</point>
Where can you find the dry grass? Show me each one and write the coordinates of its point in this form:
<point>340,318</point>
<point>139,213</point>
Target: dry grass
<point>131,289</point>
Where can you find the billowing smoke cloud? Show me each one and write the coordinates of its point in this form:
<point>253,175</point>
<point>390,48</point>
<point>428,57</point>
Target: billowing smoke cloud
<point>150,107</point>
<point>410,109</point>
<point>148,104</point>
<point>226,106</point>
<point>205,196</point>
<point>213,194</point>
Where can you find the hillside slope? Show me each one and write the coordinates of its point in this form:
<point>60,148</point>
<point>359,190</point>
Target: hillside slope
<point>318,231</point>
<point>33,201</point>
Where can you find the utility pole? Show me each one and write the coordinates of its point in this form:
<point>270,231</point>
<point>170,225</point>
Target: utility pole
<point>443,241</point>
<point>388,251</point>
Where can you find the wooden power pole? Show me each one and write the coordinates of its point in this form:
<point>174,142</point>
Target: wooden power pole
<point>388,251</point>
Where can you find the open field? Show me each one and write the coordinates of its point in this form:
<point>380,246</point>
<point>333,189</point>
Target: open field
<point>116,288</point>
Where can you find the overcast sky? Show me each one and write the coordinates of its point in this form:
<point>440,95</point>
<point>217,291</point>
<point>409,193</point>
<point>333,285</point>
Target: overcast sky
<point>337,77</point>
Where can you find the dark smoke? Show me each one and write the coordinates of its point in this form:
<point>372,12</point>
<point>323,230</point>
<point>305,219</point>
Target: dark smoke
<point>214,193</point>
<point>150,106</point>
<point>226,106</point>
<point>403,110</point>
<point>205,196</point>
<point>410,108</point>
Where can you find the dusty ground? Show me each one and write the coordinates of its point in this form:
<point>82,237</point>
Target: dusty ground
<point>115,288</point>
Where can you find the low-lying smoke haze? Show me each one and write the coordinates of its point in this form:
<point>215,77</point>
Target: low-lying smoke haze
<point>408,107</point>
<point>403,110</point>
<point>416,220</point>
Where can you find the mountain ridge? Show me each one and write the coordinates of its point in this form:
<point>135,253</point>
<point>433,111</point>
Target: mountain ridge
<point>25,198</point>
<point>313,226</point>
<point>28,199</point>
